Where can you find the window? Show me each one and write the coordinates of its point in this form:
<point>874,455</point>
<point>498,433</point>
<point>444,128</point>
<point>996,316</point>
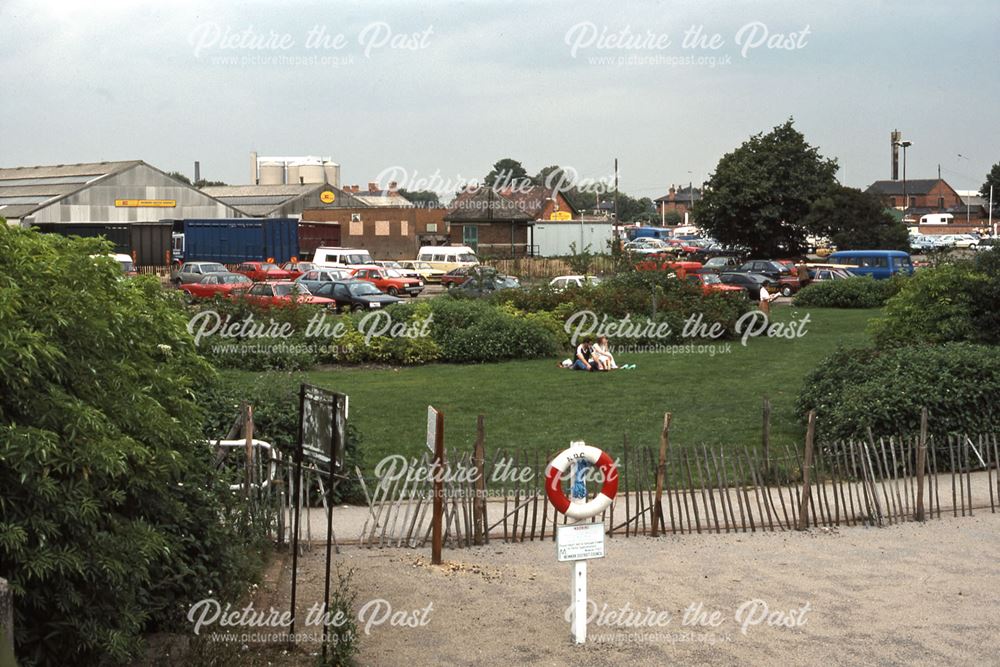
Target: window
<point>426,257</point>
<point>892,202</point>
<point>913,202</point>
<point>261,290</point>
<point>432,227</point>
<point>940,203</point>
<point>451,258</point>
<point>381,228</point>
<point>470,237</point>
<point>355,217</point>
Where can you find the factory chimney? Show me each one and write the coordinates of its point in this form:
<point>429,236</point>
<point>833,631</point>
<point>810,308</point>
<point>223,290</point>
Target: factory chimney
<point>894,138</point>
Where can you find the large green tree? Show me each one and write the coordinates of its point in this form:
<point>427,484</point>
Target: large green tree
<point>855,220</point>
<point>111,514</point>
<point>506,172</point>
<point>761,193</point>
<point>992,180</point>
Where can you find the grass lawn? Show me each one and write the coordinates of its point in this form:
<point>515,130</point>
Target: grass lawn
<point>535,406</point>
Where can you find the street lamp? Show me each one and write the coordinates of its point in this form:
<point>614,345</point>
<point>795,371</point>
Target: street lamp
<point>906,202</point>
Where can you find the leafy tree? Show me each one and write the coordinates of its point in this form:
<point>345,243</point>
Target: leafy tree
<point>506,172</point>
<point>424,198</point>
<point>673,218</point>
<point>855,220</point>
<point>761,193</point>
<point>112,520</point>
<point>992,180</point>
<point>631,209</point>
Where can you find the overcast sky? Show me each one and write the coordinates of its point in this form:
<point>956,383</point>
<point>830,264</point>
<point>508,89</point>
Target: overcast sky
<point>434,88</point>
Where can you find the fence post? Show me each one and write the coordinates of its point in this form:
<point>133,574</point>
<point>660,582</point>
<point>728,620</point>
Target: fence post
<point>765,438</point>
<point>661,470</point>
<point>921,459</point>
<point>6,624</point>
<point>806,472</point>
<point>479,503</point>
<point>248,433</point>
<point>438,505</point>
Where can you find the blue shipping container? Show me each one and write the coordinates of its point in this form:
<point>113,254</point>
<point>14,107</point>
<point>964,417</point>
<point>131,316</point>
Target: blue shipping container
<point>234,240</point>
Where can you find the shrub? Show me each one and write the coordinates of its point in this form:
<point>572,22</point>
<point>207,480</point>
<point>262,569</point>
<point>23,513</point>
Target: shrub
<point>111,519</point>
<point>859,292</point>
<point>856,389</point>
<point>936,305</point>
<point>475,331</point>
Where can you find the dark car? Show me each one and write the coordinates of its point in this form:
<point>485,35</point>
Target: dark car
<point>767,267</point>
<point>355,295</point>
<point>751,282</point>
<point>482,284</point>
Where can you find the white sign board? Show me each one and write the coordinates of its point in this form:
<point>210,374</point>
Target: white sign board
<point>581,541</point>
<point>431,428</point>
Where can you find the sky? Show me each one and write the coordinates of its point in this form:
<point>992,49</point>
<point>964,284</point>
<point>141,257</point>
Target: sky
<point>431,94</point>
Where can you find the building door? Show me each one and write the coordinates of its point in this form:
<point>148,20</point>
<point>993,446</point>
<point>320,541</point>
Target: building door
<point>470,236</point>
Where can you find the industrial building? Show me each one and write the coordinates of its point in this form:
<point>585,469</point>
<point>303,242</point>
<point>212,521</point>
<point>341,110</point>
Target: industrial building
<point>282,200</point>
<point>300,170</point>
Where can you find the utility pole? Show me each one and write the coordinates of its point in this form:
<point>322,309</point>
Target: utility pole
<point>617,221</point>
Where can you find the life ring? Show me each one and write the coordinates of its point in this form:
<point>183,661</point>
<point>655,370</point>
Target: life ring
<point>562,462</point>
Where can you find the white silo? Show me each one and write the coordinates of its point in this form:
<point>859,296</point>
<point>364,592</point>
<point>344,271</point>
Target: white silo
<point>272,173</point>
<point>312,172</point>
<point>332,171</point>
<point>292,173</point>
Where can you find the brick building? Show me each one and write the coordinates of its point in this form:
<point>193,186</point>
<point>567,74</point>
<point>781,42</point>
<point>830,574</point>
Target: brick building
<point>498,223</point>
<point>923,196</point>
<point>680,201</point>
<point>387,232</point>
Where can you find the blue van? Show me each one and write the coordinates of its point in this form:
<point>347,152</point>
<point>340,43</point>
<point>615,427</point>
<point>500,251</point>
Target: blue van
<point>661,233</point>
<point>878,264</point>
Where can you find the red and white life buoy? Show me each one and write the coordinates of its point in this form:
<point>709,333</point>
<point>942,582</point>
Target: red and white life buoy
<point>561,464</point>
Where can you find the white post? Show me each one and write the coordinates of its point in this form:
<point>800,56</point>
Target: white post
<point>991,212</point>
<point>578,624</point>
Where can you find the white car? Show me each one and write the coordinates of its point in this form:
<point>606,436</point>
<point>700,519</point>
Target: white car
<point>646,245</point>
<point>562,282</point>
<point>961,241</point>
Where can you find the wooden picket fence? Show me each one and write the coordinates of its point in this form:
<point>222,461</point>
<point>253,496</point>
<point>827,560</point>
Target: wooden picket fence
<point>534,268</point>
<point>683,490</point>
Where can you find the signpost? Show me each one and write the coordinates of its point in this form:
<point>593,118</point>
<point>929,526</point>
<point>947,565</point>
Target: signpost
<point>580,542</point>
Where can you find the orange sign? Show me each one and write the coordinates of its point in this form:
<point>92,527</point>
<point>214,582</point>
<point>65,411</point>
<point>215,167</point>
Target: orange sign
<point>145,203</point>
<point>561,215</point>
<point>327,196</point>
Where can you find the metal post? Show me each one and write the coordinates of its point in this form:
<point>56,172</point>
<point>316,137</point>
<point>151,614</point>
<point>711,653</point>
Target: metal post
<point>578,495</point>
<point>438,489</point>
<point>295,532</point>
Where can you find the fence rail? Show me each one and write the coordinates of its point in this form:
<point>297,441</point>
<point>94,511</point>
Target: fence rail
<point>547,267</point>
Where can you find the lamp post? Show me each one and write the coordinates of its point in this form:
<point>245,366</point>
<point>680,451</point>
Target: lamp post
<point>906,202</point>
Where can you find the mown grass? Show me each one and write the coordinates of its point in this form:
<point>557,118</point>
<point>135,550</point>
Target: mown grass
<point>536,407</point>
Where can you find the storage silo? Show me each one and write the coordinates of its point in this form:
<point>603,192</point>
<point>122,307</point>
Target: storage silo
<point>292,173</point>
<point>272,173</point>
<point>311,172</point>
<point>332,171</point>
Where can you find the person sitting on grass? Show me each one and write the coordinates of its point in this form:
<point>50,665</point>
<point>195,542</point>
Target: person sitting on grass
<point>584,360</point>
<point>602,353</point>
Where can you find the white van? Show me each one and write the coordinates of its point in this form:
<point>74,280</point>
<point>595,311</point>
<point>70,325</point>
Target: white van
<point>447,257</point>
<point>339,258</point>
<point>936,219</point>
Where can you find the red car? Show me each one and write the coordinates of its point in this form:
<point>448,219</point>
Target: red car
<point>217,284</point>
<point>456,277</point>
<point>296,269</point>
<point>389,281</point>
<point>283,293</point>
<point>682,268</point>
<point>261,271</point>
<point>710,283</point>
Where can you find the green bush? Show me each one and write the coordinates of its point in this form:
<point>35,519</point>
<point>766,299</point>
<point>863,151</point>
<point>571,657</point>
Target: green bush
<point>936,305</point>
<point>884,389</point>
<point>111,519</point>
<point>859,292</point>
<point>475,331</point>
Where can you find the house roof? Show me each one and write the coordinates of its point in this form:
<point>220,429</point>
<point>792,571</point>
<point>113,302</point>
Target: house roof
<point>914,187</point>
<point>261,200</point>
<point>382,198</point>
<point>681,196</point>
<point>510,205</point>
<point>24,190</point>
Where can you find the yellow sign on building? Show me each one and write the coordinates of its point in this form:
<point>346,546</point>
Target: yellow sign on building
<point>145,203</point>
<point>560,215</point>
<point>327,196</point>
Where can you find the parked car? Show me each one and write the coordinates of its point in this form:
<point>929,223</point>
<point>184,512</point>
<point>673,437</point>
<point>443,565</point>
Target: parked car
<point>192,272</point>
<point>878,264</point>
<point>326,257</point>
<point>217,284</point>
<point>925,242</point>
<point>646,245</point>
<point>427,272</point>
<point>562,282</point>
<point>447,257</point>
<point>786,277</point>
<point>750,282</point>
<point>402,270</point>
<point>961,240</point>
<point>721,263</point>
<point>296,269</point>
<point>389,280</point>
<point>820,274</point>
<point>484,284</point>
<point>456,276</point>
<point>263,271</point>
<point>283,293</point>
<point>316,277</point>
<point>355,295</point>
<point>710,283</point>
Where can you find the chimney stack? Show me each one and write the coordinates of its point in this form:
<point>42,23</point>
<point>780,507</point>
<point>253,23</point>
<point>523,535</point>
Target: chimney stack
<point>197,171</point>
<point>372,187</point>
<point>393,185</point>
<point>254,172</point>
<point>894,138</point>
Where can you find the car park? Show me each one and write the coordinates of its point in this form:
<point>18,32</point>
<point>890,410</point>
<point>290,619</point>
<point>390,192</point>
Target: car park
<point>192,272</point>
<point>879,264</point>
<point>427,272</point>
<point>389,281</point>
<point>355,295</point>
<point>283,293</point>
<point>217,284</point>
<point>564,282</point>
<point>296,269</point>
